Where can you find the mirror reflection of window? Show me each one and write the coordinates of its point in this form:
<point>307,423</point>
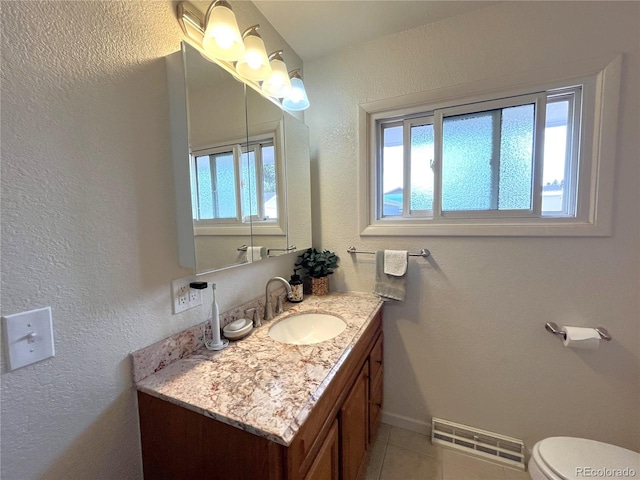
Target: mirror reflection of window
<point>249,184</point>
<point>215,180</point>
<point>236,185</point>
<point>269,190</point>
<point>259,187</point>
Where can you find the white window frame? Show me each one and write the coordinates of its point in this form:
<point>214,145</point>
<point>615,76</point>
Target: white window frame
<point>235,150</point>
<point>600,82</point>
<point>539,100</point>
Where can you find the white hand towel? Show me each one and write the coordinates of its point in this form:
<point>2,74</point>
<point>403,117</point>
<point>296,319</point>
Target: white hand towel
<point>395,262</point>
<point>256,253</point>
<point>388,287</point>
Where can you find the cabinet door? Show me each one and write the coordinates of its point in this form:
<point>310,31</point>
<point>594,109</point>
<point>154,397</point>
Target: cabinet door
<point>325,466</point>
<point>375,387</point>
<point>375,404</point>
<point>376,357</point>
<point>354,425</point>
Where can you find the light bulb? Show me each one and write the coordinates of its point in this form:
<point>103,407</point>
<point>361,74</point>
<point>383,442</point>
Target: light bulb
<point>222,38</point>
<point>255,64</point>
<point>278,84</point>
<point>297,99</point>
<point>254,60</point>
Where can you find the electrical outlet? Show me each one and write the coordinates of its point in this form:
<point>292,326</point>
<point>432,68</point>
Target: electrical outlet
<point>194,295</point>
<point>183,296</point>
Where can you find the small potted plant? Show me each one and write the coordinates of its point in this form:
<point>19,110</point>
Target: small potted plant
<point>319,265</point>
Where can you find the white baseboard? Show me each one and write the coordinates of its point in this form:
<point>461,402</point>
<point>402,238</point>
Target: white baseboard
<point>407,423</point>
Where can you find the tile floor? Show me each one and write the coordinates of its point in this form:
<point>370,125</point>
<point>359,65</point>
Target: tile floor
<point>398,454</point>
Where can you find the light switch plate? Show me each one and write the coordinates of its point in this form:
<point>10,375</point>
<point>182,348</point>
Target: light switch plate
<point>29,337</point>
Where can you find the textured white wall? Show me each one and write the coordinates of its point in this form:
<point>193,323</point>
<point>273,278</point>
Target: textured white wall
<point>468,344</point>
<point>88,227</point>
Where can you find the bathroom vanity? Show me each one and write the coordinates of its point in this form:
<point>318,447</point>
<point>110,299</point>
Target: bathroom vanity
<point>261,409</point>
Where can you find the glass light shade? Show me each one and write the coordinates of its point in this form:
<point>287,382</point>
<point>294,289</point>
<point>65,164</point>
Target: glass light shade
<point>278,84</point>
<point>297,99</point>
<point>222,38</point>
<point>255,64</point>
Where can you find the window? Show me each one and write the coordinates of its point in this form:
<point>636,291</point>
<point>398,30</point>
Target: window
<point>512,162</point>
<point>235,184</point>
<point>259,181</point>
<point>216,196</point>
<point>484,159</point>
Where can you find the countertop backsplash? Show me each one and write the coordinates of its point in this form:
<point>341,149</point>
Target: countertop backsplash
<point>155,357</point>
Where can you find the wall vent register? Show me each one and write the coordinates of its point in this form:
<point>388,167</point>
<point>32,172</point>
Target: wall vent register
<point>498,448</point>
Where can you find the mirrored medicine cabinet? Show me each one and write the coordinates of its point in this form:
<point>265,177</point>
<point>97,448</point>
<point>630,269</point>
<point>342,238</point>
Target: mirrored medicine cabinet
<point>241,168</point>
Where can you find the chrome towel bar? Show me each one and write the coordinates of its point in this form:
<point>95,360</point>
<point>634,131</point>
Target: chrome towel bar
<point>424,253</point>
<point>291,248</point>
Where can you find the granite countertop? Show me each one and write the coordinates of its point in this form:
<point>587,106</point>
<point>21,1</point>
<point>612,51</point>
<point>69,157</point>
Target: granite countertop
<point>258,384</point>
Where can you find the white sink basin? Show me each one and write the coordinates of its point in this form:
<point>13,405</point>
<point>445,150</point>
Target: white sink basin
<point>307,328</point>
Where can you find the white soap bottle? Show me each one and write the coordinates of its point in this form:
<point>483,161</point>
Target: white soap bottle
<point>216,343</point>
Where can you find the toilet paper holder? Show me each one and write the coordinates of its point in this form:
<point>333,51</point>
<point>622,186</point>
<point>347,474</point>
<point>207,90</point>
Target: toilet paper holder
<point>553,328</point>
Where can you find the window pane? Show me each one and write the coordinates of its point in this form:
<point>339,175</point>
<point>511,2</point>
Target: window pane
<point>516,158</point>
<point>488,160</point>
<point>269,186</point>
<point>555,157</point>
<point>205,190</point>
<point>392,176</point>
<point>225,186</point>
<point>249,196</point>
<point>467,152</point>
<point>421,171</point>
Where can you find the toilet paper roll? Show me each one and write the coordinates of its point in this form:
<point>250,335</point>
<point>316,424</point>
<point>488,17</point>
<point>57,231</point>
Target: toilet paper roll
<point>581,337</point>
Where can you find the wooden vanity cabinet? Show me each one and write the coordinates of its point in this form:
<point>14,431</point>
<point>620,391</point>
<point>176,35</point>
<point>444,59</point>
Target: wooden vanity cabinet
<point>354,425</point>
<point>178,443</point>
<point>375,387</point>
<point>327,463</point>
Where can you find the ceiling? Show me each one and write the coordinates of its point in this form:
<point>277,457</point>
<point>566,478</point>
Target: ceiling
<point>315,28</point>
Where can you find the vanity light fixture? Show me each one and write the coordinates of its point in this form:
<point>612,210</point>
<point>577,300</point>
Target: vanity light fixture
<point>297,99</point>
<point>255,64</point>
<point>222,38</point>
<point>278,85</point>
<point>244,55</point>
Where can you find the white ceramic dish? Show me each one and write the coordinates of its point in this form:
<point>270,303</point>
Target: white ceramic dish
<point>238,329</point>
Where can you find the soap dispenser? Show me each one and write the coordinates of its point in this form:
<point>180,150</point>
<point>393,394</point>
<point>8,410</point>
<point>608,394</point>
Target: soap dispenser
<point>296,288</point>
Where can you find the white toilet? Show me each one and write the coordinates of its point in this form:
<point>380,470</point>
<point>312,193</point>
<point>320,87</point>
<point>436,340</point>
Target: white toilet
<point>567,458</point>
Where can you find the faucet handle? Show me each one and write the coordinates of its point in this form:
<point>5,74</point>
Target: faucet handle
<point>256,316</point>
<point>279,308</point>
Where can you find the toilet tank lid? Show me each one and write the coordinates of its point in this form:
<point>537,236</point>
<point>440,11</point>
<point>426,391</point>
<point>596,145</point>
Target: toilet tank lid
<point>575,458</point>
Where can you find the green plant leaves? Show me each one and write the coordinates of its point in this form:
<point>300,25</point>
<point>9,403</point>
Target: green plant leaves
<point>318,264</point>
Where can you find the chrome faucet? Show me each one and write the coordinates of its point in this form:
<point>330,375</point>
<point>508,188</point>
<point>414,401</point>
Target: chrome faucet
<point>268,309</point>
